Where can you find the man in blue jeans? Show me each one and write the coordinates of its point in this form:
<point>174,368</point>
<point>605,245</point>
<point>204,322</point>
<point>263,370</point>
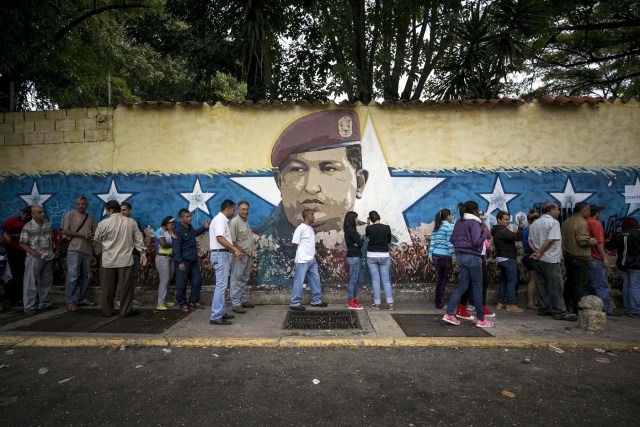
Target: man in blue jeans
<point>79,226</point>
<point>221,248</point>
<point>304,242</point>
<point>185,255</point>
<point>598,285</point>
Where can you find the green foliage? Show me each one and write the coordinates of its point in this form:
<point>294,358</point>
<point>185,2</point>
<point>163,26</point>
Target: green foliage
<point>59,53</point>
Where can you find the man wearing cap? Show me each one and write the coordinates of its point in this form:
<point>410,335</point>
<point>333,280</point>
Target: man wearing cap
<point>598,285</point>
<point>576,249</point>
<point>319,161</point>
<point>118,235</point>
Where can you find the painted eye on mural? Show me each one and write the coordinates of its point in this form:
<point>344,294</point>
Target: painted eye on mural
<point>331,167</point>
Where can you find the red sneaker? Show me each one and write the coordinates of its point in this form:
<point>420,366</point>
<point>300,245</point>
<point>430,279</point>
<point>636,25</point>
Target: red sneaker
<point>462,313</point>
<point>353,304</point>
<point>487,312</point>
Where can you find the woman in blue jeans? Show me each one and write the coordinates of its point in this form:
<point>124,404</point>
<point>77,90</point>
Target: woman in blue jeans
<point>441,253</point>
<point>378,259</point>
<point>504,241</point>
<point>354,254</point>
<point>468,239</point>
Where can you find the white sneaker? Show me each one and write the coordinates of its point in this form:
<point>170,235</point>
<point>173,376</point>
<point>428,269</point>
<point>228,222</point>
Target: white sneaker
<point>116,305</point>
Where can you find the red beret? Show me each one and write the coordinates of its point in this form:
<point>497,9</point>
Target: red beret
<point>317,131</point>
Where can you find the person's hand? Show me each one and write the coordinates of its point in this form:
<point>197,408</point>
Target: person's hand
<point>36,255</point>
<point>206,223</point>
<point>592,241</point>
<point>88,235</point>
<point>238,253</point>
<point>453,263</point>
<point>143,259</point>
<point>181,266</point>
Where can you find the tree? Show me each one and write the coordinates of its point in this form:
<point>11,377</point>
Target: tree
<point>593,48</point>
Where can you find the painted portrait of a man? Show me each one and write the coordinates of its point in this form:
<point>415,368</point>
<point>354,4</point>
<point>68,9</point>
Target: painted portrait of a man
<point>319,166</point>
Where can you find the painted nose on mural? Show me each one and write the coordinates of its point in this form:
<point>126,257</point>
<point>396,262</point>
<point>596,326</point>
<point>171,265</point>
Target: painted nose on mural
<point>312,186</point>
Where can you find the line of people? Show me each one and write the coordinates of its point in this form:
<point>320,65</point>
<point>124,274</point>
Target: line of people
<point>579,244</point>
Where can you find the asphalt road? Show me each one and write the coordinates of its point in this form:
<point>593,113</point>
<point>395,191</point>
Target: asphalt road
<point>361,387</point>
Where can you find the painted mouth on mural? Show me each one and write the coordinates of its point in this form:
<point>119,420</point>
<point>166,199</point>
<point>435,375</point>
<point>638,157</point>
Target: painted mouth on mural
<point>313,202</point>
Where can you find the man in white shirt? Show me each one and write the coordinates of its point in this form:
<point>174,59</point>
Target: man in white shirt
<point>119,236</point>
<point>545,239</point>
<point>304,242</point>
<point>221,246</point>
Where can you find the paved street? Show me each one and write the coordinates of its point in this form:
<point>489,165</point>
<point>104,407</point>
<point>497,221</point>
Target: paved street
<point>367,386</point>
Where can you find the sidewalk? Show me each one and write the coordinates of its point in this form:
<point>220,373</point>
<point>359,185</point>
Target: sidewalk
<point>262,327</point>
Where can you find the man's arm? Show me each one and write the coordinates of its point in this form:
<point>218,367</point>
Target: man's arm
<point>24,244</point>
<point>539,252</point>
<point>236,251</point>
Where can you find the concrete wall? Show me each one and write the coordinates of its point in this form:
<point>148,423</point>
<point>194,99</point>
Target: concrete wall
<point>418,161</point>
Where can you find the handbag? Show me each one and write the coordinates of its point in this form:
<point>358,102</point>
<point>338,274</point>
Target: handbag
<point>64,245</point>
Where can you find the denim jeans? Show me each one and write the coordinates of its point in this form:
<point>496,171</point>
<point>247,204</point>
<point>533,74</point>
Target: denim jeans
<point>306,271</point>
<point>38,278</point>
<point>220,262</point>
<point>355,276</point>
<point>598,285</point>
<point>631,290</point>
<point>379,268</point>
<point>78,273</point>
<point>470,272</point>
<point>240,272</point>
<point>192,274</point>
<point>442,264</point>
<point>508,281</point>
<point>164,265</point>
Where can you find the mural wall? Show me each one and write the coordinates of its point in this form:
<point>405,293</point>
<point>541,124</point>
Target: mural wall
<point>406,163</point>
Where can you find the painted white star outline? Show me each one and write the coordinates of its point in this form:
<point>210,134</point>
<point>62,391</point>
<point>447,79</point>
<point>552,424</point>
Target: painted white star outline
<point>631,194</point>
<point>498,199</point>
<point>197,199</point>
<point>569,197</point>
<point>35,198</point>
<point>385,193</point>
<point>113,194</point>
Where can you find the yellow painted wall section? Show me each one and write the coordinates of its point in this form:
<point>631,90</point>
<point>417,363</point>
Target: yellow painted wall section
<point>529,136</point>
<point>227,139</point>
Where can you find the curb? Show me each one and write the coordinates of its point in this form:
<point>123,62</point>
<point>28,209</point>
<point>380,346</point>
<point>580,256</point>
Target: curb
<point>294,342</point>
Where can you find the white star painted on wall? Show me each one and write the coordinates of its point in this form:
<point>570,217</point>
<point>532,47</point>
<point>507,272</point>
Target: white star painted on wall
<point>498,199</point>
<point>197,199</point>
<point>389,195</point>
<point>569,197</point>
<point>632,196</point>
<point>35,198</point>
<point>265,187</point>
<point>113,194</point>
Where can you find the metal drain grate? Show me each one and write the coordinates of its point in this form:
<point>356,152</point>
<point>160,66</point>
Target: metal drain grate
<point>321,319</point>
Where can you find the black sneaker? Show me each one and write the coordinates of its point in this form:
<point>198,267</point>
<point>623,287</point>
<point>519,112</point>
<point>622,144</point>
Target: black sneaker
<point>296,308</point>
<point>219,322</point>
<point>614,314</point>
<point>566,316</point>
<point>228,316</point>
<point>238,309</point>
<point>320,304</point>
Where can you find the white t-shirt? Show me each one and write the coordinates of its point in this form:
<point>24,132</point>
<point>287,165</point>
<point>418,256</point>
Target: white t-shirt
<point>219,227</point>
<point>305,238</point>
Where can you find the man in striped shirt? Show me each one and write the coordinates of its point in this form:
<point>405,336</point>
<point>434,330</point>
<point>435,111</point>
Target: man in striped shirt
<point>36,240</point>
